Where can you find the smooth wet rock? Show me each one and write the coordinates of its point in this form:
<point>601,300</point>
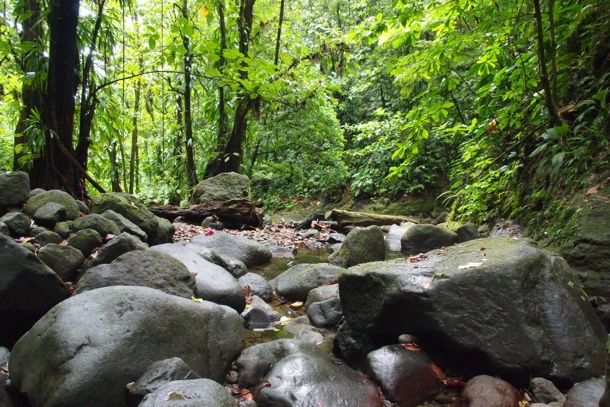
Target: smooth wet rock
<point>47,237</point>
<point>86,349</point>
<point>160,373</point>
<point>406,377</point>
<point>128,206</point>
<point>36,191</point>
<point>325,314</point>
<point>28,289</point>
<point>145,268</point>
<point>83,207</point>
<point>125,225</point>
<point>259,314</point>
<point>237,268</point>
<point>50,213</point>
<point>248,251</point>
<point>222,187</point>
<point>487,391</point>
<point>192,393</point>
<point>544,391</point>
<point>360,246</point>
<point>353,345</point>
<point>64,260</point>
<point>14,188</point>
<point>56,196</point>
<point>296,282</point>
<point>123,243</point>
<point>336,238</point>
<point>313,337</point>
<point>586,394</point>
<point>491,305</point>
<point>63,229</point>
<point>85,240</point>
<point>258,285</point>
<point>18,223</point>
<point>322,293</point>
<point>395,233</point>
<point>99,223</point>
<point>213,283</point>
<point>466,232</point>
<point>424,237</point>
<point>311,378</point>
<point>4,229</point>
<point>164,233</point>
<point>256,361</point>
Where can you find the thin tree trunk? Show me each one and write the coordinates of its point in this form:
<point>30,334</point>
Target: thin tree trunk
<point>133,159</point>
<point>191,173</point>
<point>554,117</point>
<point>553,50</point>
<point>114,168</point>
<point>279,34</point>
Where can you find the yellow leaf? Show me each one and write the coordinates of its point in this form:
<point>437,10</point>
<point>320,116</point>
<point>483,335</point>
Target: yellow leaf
<point>203,12</point>
<point>196,299</point>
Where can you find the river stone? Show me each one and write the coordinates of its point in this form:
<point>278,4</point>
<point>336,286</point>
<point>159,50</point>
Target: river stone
<point>17,223</point>
<point>63,229</point>
<point>492,305</point>
<point>466,232</point>
<point>248,251</point>
<point>256,361</point>
<point>361,245</point>
<point>28,289</point>
<point>259,315</point>
<point>325,314</point>
<point>424,237</point>
<point>322,293</point>
<point>123,243</point>
<point>125,225</point>
<point>223,187</point>
<point>237,268</point>
<point>296,282</point>
<point>587,393</point>
<point>100,224</point>
<point>36,191</point>
<point>160,373</point>
<point>85,240</point>
<point>144,268</point>
<point>213,283</point>
<point>14,188</point>
<point>311,378</point>
<point>163,234</point>
<point>258,285</point>
<point>4,229</point>
<point>86,349</point>
<point>190,393</point>
<point>64,260</point>
<point>544,391</point>
<point>50,213</point>
<point>128,206</point>
<point>54,195</point>
<point>406,377</point>
<point>487,391</point>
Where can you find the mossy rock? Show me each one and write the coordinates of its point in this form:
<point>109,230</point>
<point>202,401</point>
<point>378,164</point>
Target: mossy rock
<point>129,206</point>
<point>56,196</point>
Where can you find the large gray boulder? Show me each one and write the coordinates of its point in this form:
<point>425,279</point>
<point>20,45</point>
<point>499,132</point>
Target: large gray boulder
<point>194,393</point>
<point>213,283</point>
<point>86,241</point>
<point>158,374</point>
<point>123,243</point>
<point>145,268</point>
<point>496,305</point>
<point>163,234</point>
<point>125,225</point>
<point>50,213</point>
<point>360,246</point>
<point>28,289</point>
<point>56,196</point>
<point>17,223</point>
<point>99,223</point>
<point>319,382</point>
<point>422,238</point>
<point>406,377</point>
<point>222,187</point>
<point>248,251</point>
<point>128,206</point>
<point>296,282</point>
<point>86,349</point>
<point>14,188</point>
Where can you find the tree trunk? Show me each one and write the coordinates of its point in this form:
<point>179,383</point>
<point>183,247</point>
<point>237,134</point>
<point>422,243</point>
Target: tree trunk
<point>191,173</point>
<point>133,159</point>
<point>55,169</point>
<point>554,117</point>
<point>32,95</point>
<point>276,59</point>
<point>115,180</point>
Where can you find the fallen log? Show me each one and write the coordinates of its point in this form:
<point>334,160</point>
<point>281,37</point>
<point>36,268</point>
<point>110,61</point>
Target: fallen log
<point>235,213</point>
<point>348,218</point>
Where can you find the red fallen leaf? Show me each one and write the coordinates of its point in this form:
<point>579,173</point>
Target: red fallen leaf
<point>440,375</point>
<point>453,382</point>
<point>209,232</point>
<point>247,395</point>
<point>410,346</point>
<point>330,282</point>
<point>247,293</point>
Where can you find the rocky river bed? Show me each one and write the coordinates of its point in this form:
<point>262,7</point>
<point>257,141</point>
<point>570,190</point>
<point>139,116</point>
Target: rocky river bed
<point>108,305</point>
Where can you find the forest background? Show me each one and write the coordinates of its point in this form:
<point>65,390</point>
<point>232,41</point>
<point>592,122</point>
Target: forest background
<point>489,108</point>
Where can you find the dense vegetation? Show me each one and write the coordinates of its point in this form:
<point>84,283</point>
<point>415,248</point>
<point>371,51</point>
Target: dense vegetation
<point>501,108</point>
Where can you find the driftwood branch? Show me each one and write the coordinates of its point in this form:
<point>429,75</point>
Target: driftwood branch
<point>347,218</point>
